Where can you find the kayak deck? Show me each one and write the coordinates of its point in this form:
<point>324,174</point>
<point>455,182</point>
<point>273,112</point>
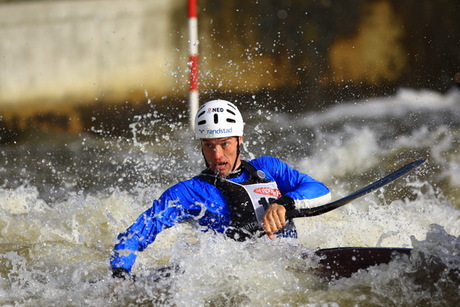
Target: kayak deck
<point>333,263</point>
<point>342,262</point>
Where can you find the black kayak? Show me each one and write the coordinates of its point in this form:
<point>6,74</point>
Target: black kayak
<point>333,263</point>
<point>342,262</point>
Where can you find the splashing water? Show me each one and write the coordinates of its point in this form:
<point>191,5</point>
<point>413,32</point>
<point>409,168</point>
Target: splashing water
<point>64,201</point>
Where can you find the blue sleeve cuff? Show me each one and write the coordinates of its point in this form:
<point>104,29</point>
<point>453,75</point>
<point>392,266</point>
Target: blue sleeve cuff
<point>125,262</point>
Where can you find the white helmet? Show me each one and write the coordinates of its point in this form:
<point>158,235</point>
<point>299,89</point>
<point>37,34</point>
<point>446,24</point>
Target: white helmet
<point>217,119</point>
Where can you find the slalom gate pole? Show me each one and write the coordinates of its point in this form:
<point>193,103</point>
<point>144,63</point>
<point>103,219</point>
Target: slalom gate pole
<point>193,59</point>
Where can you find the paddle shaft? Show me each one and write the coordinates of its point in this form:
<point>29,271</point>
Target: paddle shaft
<point>345,200</point>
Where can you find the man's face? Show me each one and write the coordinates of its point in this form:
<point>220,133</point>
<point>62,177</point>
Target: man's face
<point>221,154</point>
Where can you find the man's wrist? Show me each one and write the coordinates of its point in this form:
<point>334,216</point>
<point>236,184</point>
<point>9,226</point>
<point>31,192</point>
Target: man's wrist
<point>286,201</point>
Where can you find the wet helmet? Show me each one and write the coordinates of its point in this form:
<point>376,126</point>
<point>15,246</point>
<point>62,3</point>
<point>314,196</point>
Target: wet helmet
<point>217,119</point>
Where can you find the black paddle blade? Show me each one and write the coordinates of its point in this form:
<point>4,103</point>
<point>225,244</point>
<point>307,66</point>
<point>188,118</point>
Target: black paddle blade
<point>343,201</point>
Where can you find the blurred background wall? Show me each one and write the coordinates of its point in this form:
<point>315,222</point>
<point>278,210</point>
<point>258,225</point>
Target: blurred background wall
<point>65,64</point>
<point>59,56</point>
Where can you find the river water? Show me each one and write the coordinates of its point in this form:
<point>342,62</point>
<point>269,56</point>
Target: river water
<point>64,199</point>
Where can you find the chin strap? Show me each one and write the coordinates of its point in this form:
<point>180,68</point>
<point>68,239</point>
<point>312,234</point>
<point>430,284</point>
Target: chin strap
<point>237,153</point>
<point>204,158</point>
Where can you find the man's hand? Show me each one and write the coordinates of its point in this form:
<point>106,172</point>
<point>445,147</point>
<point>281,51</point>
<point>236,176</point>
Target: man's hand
<point>121,273</point>
<point>274,219</point>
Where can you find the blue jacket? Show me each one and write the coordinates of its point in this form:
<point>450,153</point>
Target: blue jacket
<point>198,200</point>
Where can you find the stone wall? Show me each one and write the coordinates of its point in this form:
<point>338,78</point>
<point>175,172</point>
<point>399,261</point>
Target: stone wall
<point>56,55</point>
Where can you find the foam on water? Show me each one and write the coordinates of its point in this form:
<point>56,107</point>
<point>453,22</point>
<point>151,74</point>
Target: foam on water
<point>55,251</point>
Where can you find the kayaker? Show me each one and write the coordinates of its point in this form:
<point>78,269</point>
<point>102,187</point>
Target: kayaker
<point>231,196</point>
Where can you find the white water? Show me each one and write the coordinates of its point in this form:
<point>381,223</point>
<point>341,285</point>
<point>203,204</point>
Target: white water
<point>63,203</point>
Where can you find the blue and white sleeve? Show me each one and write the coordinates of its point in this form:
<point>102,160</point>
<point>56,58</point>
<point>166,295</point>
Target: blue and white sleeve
<point>305,191</point>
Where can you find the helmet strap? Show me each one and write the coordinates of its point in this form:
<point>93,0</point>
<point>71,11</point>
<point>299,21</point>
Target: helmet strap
<point>204,158</point>
<point>237,153</point>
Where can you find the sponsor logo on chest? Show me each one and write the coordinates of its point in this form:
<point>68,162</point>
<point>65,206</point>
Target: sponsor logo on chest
<point>267,191</point>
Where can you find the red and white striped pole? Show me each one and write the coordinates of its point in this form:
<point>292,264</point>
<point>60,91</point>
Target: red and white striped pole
<point>193,59</point>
